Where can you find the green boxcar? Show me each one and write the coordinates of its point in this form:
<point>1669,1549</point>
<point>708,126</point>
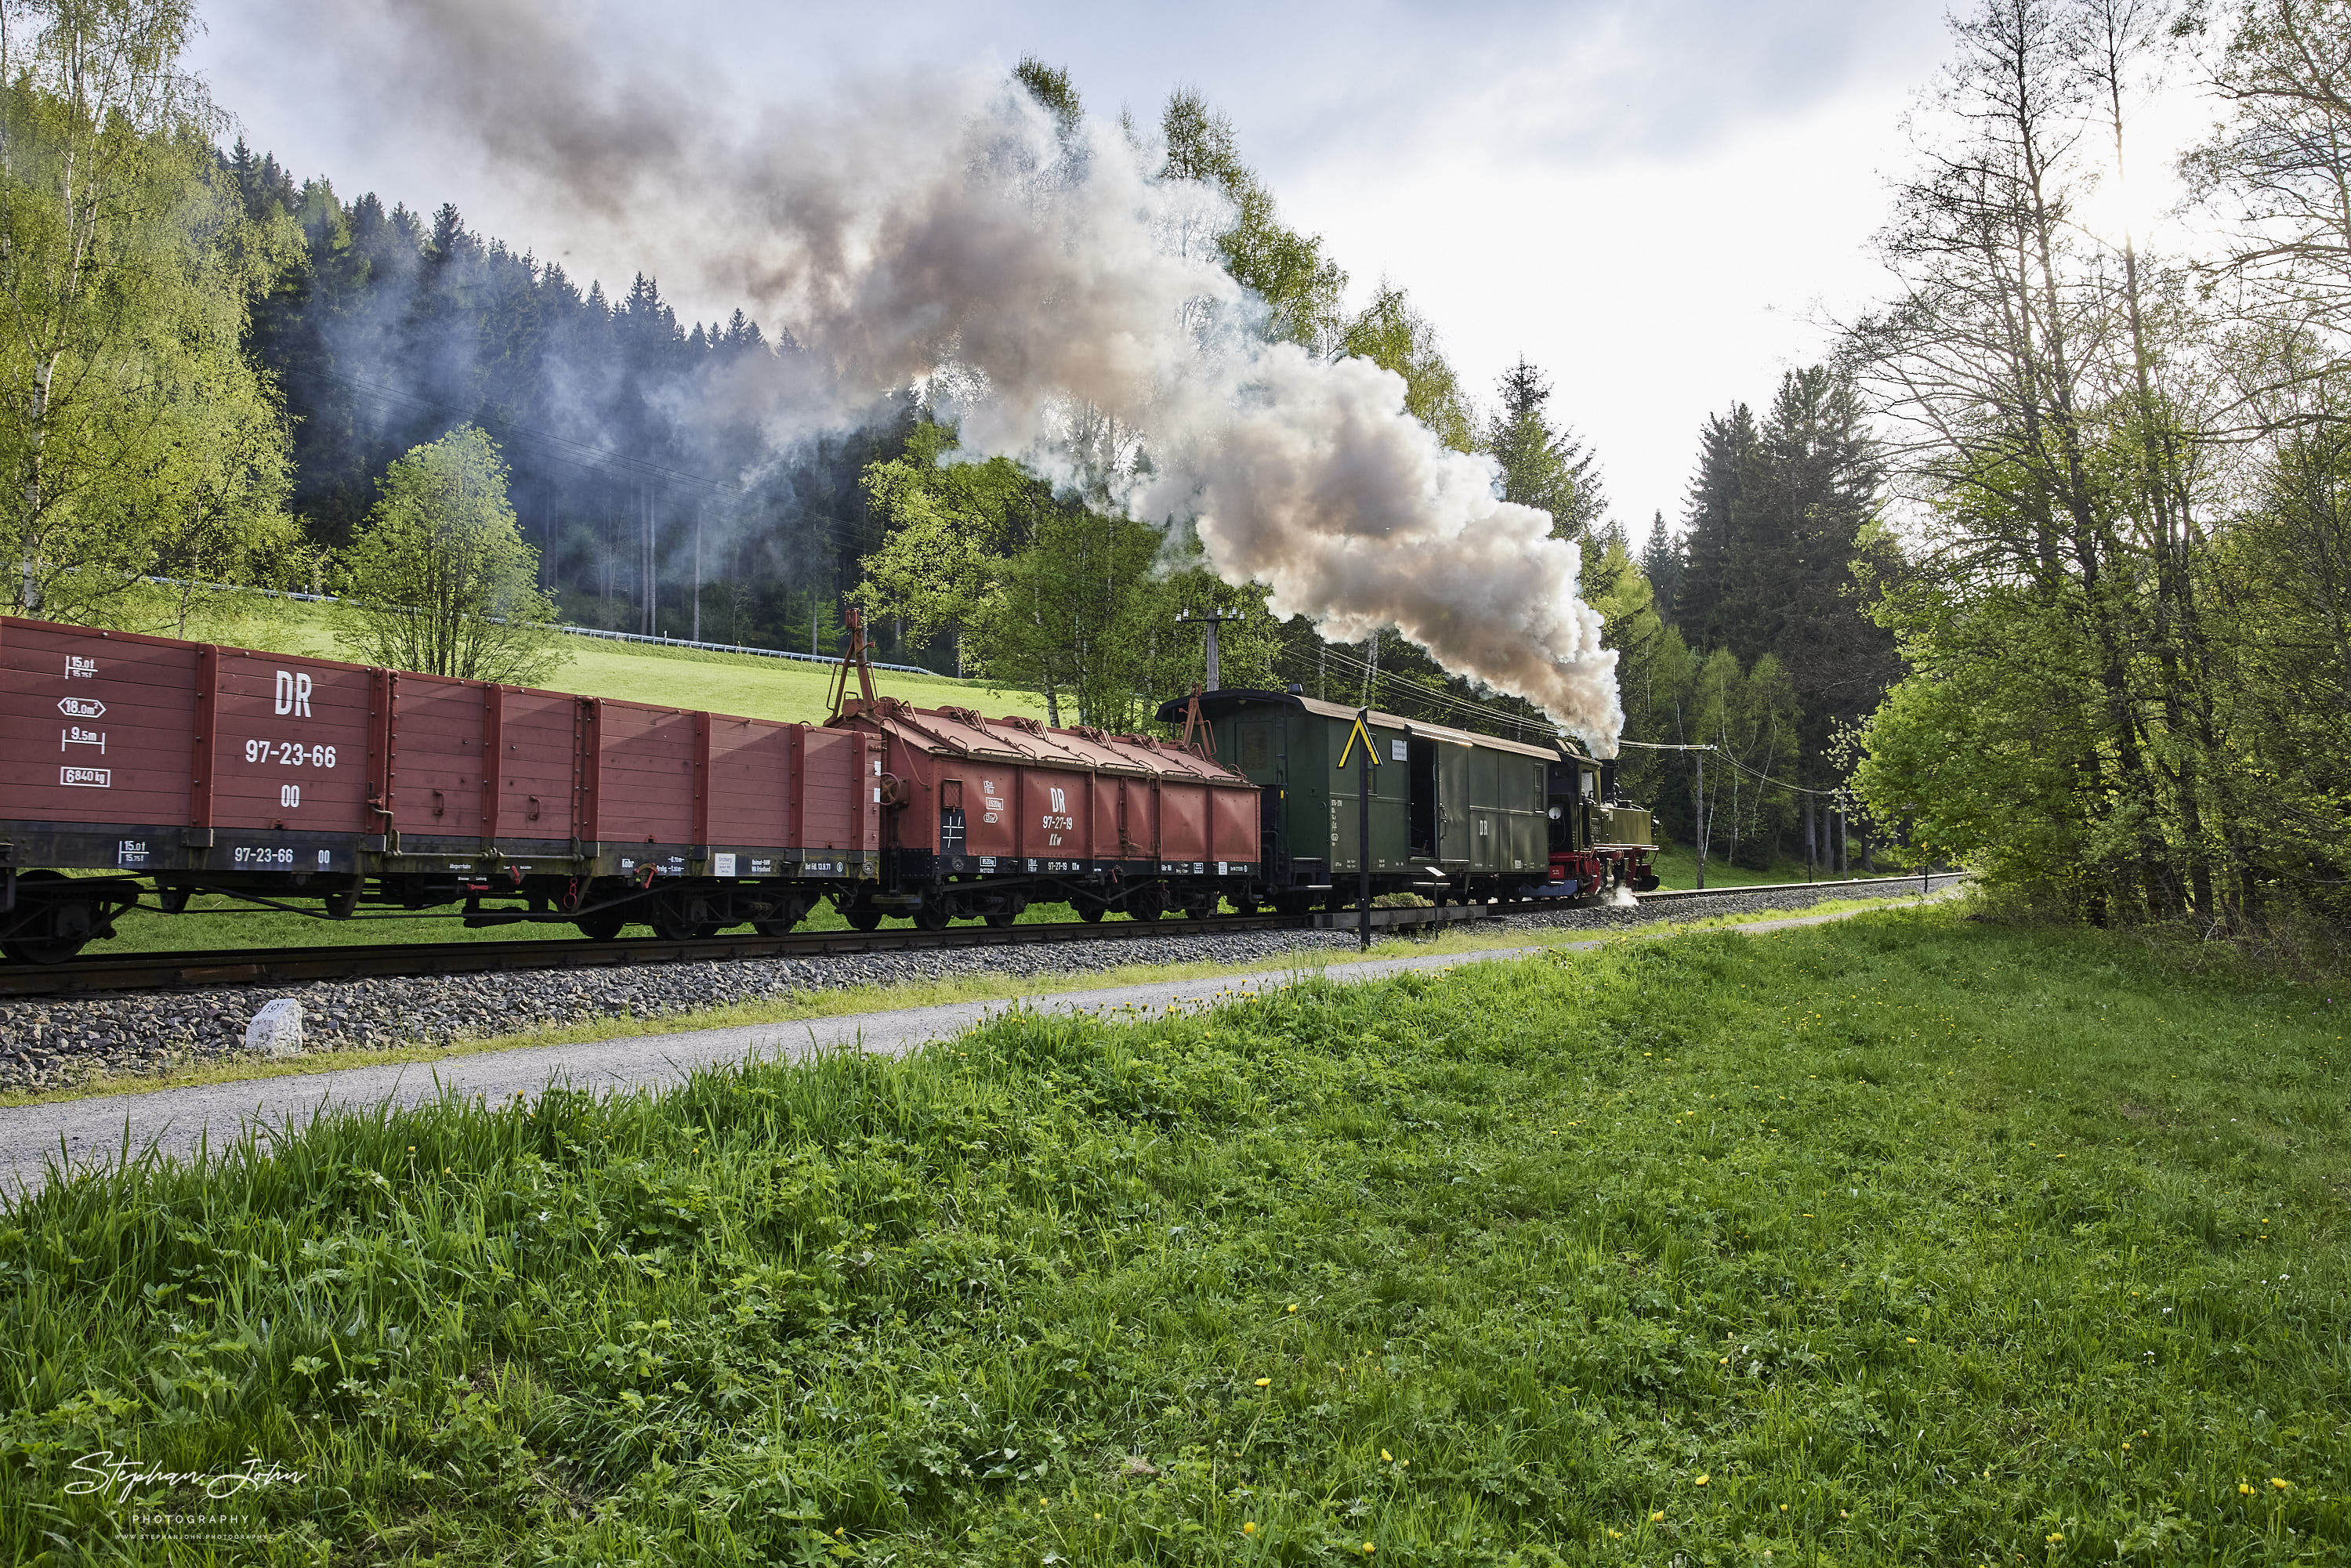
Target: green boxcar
<point>1452,814</point>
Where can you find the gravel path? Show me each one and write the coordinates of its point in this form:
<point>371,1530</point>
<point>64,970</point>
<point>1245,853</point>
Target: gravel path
<point>56,1042</point>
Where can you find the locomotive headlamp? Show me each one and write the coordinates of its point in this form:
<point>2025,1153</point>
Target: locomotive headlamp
<point>1555,813</point>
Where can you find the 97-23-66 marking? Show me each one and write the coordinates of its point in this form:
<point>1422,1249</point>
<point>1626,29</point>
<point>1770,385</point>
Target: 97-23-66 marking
<point>289,753</point>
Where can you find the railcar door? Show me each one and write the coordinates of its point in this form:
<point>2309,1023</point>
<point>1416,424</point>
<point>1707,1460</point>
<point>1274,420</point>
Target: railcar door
<point>1421,764</point>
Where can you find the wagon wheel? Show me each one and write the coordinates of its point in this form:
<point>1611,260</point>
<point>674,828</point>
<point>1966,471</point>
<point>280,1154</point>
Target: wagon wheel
<point>1199,911</point>
<point>1090,912</point>
<point>782,925</point>
<point>862,917</point>
<point>671,924</point>
<point>79,916</point>
<point>932,915</point>
<point>1001,918</point>
<point>601,926</point>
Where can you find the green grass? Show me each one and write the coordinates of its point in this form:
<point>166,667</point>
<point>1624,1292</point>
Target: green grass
<point>794,1005</point>
<point>214,921</point>
<point>743,683</point>
<point>1918,1241</point>
<point>1677,866</point>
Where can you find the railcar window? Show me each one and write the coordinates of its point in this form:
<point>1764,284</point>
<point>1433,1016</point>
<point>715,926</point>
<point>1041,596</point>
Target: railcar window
<point>1257,748</point>
<point>1591,786</point>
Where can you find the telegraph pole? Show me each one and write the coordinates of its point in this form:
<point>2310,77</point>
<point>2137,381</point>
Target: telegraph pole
<point>1213,620</point>
<point>1701,759</point>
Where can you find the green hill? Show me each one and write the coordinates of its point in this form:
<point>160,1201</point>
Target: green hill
<point>792,690</point>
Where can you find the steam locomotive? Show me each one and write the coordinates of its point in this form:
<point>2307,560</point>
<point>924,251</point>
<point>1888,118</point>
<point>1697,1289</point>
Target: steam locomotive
<point>131,763</point>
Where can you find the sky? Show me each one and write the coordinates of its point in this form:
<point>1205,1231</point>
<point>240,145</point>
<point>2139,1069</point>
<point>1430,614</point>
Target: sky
<point>1663,206</point>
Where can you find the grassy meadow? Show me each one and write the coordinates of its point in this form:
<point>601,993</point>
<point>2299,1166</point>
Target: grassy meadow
<point>212,921</point>
<point>1910,1238</point>
<point>790,690</point>
<point>1677,867</point>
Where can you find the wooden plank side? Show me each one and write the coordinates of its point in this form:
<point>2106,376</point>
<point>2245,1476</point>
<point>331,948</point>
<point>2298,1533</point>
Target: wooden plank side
<point>747,790</point>
<point>94,728</point>
<point>869,771</point>
<point>646,783</point>
<point>832,791</point>
<point>288,743</point>
<point>535,764</point>
<point>436,756</point>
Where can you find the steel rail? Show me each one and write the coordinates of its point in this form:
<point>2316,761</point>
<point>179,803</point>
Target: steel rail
<point>1938,877</point>
<point>249,967</point>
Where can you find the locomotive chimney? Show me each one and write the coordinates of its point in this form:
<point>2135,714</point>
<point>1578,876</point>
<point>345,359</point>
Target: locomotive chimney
<point>1608,782</point>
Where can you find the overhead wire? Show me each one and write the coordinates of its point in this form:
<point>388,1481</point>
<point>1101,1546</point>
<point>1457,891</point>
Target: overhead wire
<point>1450,702</point>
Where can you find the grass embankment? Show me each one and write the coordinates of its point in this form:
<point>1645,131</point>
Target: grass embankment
<point>790,1007</point>
<point>1903,1239</point>
<point>1677,867</point>
<point>743,684</point>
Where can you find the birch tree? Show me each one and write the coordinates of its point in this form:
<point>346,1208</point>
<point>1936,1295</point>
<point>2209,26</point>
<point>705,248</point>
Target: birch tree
<point>127,269</point>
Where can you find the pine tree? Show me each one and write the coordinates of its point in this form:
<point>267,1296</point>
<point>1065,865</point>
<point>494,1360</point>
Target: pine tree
<point>1542,467</point>
<point>1661,563</point>
<point>1715,513</point>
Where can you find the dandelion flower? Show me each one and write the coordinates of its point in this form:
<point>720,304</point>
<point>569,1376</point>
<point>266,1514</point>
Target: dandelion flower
<point>1656,1516</point>
<point>1293,1306</point>
<point>2056,1536</point>
<point>2280,1484</point>
<point>1368,1548</point>
<point>1265,1383</point>
<point>2245,1491</point>
<point>1701,1480</point>
<point>1385,1455</point>
<point>1910,1340</point>
<point>1248,1529</point>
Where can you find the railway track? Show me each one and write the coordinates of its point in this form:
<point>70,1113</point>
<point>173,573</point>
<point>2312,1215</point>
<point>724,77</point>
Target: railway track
<point>247,966</point>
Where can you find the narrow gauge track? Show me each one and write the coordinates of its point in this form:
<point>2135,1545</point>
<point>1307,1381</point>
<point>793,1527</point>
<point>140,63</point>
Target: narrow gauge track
<point>270,966</point>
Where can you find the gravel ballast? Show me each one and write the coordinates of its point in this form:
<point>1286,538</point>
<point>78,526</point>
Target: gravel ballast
<point>55,1043</point>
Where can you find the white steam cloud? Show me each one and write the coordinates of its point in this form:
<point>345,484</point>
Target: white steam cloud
<point>944,230</point>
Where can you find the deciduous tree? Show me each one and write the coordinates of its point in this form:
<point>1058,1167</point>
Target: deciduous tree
<point>438,579</point>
